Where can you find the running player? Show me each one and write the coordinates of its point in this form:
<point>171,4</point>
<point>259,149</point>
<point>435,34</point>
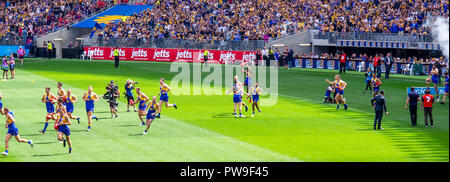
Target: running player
<point>238,91</point>
<point>68,101</point>
<point>12,130</point>
<point>443,99</point>
<point>21,53</point>
<point>256,92</point>
<point>369,75</point>
<point>164,97</point>
<point>5,67</point>
<point>12,66</point>
<point>61,92</point>
<point>340,85</point>
<point>152,111</point>
<point>376,83</point>
<point>434,77</point>
<point>142,100</point>
<point>63,129</point>
<point>90,97</point>
<point>49,100</point>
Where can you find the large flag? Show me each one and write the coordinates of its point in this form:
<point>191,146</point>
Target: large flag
<point>96,27</point>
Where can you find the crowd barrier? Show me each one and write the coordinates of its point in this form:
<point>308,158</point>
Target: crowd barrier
<point>169,55</point>
<point>319,63</point>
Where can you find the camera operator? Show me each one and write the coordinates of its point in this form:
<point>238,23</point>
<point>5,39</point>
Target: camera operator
<point>129,87</point>
<point>111,95</point>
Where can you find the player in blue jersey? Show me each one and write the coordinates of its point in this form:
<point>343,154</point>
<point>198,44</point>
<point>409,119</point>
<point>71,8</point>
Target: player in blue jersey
<point>152,111</point>
<point>248,78</point>
<point>68,100</point>
<point>49,99</point>
<point>256,92</point>
<point>368,78</point>
<point>434,77</point>
<point>63,127</point>
<point>328,98</point>
<point>238,92</point>
<point>1,97</point>
<point>12,130</point>
<point>90,97</point>
<point>339,85</point>
<point>141,100</point>
<point>445,90</point>
<point>164,97</point>
<point>376,83</point>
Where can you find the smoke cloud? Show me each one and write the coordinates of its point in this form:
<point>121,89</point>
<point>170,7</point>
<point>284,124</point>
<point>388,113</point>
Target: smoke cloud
<point>439,30</point>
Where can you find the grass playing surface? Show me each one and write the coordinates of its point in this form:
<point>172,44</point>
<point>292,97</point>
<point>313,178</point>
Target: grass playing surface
<point>298,128</point>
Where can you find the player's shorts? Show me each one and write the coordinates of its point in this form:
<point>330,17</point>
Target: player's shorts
<point>341,92</point>
<point>12,66</point>
<point>142,105</point>
<point>376,89</point>
<point>12,129</point>
<point>69,107</point>
<point>5,68</point>
<point>327,93</point>
<point>129,98</point>
<point>20,57</point>
<point>1,105</point>
<point>435,80</point>
<point>255,98</point>
<point>164,97</point>
<point>64,129</point>
<point>90,106</point>
<point>50,107</point>
<point>237,98</point>
<point>445,90</point>
<point>149,115</point>
<point>248,82</point>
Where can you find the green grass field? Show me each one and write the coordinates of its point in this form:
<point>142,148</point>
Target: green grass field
<point>298,128</point>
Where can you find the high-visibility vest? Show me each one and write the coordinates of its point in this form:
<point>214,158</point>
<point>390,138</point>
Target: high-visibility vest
<point>49,46</point>
<point>116,52</point>
<point>205,53</point>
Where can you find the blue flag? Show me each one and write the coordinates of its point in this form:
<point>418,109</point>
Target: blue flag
<point>96,27</point>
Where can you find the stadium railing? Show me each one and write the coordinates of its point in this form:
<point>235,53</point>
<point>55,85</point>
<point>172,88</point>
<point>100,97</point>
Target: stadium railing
<point>333,37</point>
<point>236,45</point>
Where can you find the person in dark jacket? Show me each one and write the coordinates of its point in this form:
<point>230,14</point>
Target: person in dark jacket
<point>379,104</point>
<point>388,60</point>
<point>412,100</point>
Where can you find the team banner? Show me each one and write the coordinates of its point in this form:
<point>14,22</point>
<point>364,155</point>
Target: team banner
<point>170,55</point>
<point>421,90</point>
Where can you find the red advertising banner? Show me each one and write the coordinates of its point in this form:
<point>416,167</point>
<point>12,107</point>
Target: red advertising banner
<point>170,55</point>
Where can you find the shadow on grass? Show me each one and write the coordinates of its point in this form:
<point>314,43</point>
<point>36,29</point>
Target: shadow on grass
<point>126,125</point>
<point>140,134</point>
<point>49,155</point>
<point>223,115</point>
<point>44,143</point>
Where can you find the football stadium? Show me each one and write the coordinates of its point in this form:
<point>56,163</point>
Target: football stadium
<point>224,81</point>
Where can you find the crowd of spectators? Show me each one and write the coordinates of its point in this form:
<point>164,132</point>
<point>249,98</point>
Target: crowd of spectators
<point>28,18</point>
<point>270,19</point>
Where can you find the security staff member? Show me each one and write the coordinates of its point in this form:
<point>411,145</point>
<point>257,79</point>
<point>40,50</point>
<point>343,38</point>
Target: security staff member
<point>116,57</point>
<point>49,50</point>
<point>427,107</point>
<point>379,104</point>
<point>342,61</point>
<point>412,100</point>
<point>205,56</point>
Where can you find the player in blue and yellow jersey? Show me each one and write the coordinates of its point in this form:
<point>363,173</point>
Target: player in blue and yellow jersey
<point>142,101</point>
<point>238,91</point>
<point>90,97</point>
<point>434,77</point>
<point>12,130</point>
<point>152,111</point>
<point>49,100</point>
<point>63,129</point>
<point>376,83</point>
<point>61,92</point>
<point>256,92</point>
<point>339,85</point>
<point>248,78</point>
<point>445,90</point>
<point>1,97</point>
<point>69,99</point>
<point>164,97</point>
<point>236,82</point>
